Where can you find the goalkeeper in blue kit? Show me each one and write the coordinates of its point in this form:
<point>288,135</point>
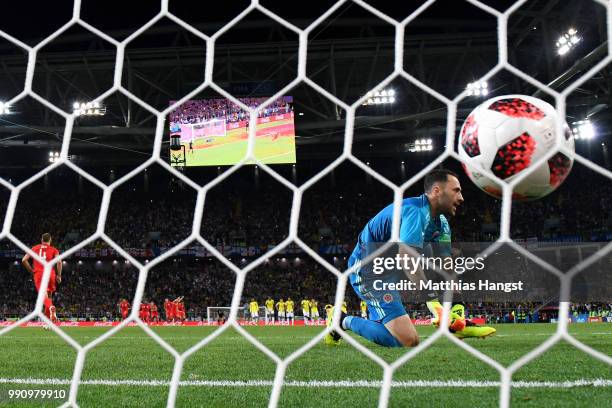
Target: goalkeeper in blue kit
<point>423,224</point>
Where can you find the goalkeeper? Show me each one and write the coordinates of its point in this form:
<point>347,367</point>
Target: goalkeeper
<point>423,221</point>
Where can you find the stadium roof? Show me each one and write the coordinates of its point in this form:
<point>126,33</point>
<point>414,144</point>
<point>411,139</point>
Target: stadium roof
<point>349,53</point>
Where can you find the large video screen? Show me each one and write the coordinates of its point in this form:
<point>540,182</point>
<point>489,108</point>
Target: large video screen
<point>214,132</point>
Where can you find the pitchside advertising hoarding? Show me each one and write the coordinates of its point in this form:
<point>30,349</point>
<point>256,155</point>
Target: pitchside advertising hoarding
<point>214,132</point>
<point>418,322</point>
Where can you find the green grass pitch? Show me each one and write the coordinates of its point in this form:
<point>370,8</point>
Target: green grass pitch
<point>131,357</point>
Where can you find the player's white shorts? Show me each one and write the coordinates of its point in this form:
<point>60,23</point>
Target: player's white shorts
<point>305,313</point>
<point>364,314</point>
<point>281,315</point>
<point>289,315</point>
<point>315,315</point>
<point>269,312</point>
<point>254,315</point>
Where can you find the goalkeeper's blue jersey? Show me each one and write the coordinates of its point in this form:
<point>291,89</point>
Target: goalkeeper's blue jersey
<point>417,229</point>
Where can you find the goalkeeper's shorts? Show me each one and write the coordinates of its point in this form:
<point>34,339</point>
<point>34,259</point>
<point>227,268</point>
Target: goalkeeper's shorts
<point>382,306</point>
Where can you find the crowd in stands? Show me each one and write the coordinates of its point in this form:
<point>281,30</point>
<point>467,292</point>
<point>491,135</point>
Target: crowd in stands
<point>137,224</point>
<point>198,111</point>
<point>92,290</point>
<point>246,212</point>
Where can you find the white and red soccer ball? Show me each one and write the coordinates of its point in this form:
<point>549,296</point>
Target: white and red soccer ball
<point>506,135</point>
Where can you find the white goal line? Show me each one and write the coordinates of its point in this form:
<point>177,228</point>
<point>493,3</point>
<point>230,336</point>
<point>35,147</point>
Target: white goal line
<point>598,382</point>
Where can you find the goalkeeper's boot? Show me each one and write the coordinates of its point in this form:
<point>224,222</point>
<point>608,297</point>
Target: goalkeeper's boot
<point>333,337</point>
<point>457,318</point>
<point>469,329</point>
<point>474,330</point>
<point>435,308</point>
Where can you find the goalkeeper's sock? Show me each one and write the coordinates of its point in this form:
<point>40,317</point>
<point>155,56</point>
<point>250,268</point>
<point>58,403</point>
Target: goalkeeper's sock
<point>373,331</point>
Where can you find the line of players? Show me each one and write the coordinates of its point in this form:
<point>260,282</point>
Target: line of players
<point>174,310</point>
<point>285,311</point>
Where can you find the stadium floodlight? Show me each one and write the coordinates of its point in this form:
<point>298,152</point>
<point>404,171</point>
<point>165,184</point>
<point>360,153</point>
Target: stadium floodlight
<point>567,41</point>
<point>381,97</point>
<point>478,88</point>
<point>53,157</point>
<point>89,109</point>
<point>421,145</point>
<point>583,130</point>
<point>5,108</point>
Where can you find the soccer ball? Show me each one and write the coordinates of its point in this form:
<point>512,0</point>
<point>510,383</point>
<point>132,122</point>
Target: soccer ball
<point>505,135</point>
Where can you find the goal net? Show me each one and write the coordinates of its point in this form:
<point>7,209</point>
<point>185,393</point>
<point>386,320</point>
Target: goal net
<point>214,313</point>
<point>203,130</point>
<point>216,128</point>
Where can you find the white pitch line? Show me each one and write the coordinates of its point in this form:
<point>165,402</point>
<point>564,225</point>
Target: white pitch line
<point>599,382</point>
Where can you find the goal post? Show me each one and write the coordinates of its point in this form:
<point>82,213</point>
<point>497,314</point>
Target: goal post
<point>217,128</point>
<point>203,130</point>
<point>212,313</point>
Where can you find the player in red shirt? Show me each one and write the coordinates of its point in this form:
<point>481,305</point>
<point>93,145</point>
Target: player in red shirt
<point>124,305</point>
<point>154,312</point>
<point>180,309</point>
<point>169,309</point>
<point>47,252</point>
<point>145,311</point>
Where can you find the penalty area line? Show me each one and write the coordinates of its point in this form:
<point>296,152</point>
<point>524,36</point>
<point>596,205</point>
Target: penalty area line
<point>599,382</point>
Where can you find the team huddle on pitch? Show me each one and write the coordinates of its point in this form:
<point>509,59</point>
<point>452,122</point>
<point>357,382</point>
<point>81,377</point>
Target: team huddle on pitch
<point>174,310</point>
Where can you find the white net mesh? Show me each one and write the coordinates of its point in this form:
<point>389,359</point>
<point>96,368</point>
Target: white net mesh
<point>506,373</point>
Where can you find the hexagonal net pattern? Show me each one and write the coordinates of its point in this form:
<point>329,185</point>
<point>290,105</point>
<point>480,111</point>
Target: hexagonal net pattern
<point>386,383</point>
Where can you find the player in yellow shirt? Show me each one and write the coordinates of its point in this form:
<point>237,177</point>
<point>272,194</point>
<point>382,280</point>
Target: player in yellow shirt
<point>314,311</point>
<point>254,309</point>
<point>306,310</point>
<point>289,306</point>
<point>269,310</point>
<point>329,309</point>
<point>364,309</point>
<point>280,307</point>
<point>344,307</point>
